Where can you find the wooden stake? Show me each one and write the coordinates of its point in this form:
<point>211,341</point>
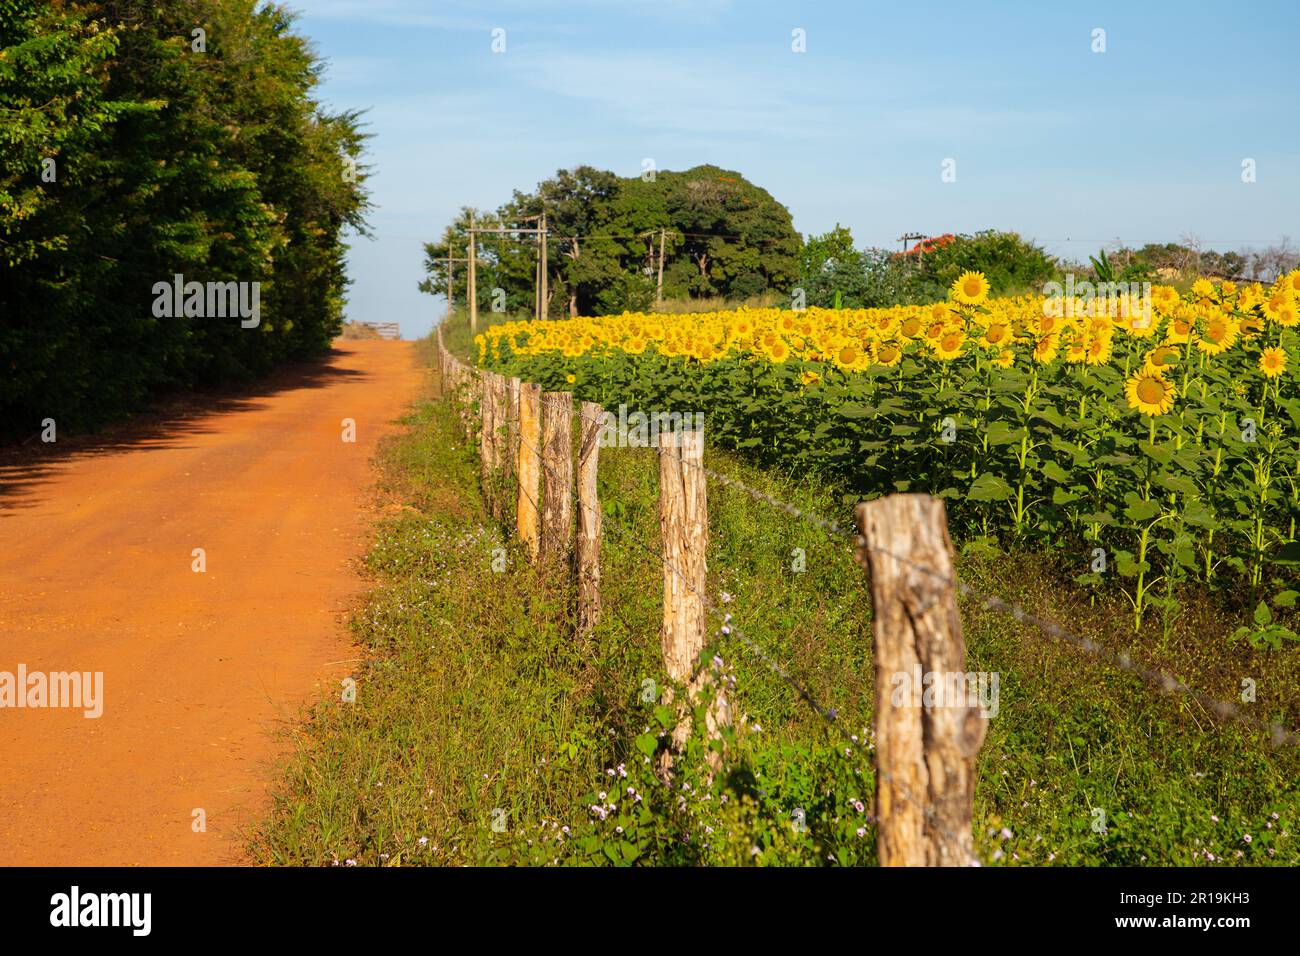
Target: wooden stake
<point>588,550</point>
<point>529,468</point>
<point>925,753</point>
<point>471,284</point>
<point>485,438</point>
<point>684,528</point>
<point>659,283</point>
<point>557,465</point>
<point>511,450</point>
<point>544,296</point>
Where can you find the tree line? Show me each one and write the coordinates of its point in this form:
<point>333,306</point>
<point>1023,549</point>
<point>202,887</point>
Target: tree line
<point>623,244</point>
<point>618,243</point>
<point>626,243</point>
<point>162,145</point>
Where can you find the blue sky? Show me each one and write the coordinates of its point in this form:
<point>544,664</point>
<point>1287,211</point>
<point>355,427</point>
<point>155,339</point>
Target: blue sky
<point>1072,148</point>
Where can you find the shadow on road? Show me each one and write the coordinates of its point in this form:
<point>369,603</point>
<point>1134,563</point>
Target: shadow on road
<point>167,424</point>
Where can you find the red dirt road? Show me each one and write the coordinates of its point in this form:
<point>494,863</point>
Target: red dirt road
<point>202,671</point>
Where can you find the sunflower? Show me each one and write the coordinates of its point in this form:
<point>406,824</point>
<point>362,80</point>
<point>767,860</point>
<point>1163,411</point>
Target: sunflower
<point>889,354</point>
<point>1099,347</point>
<point>1287,314</point>
<point>1046,324</point>
<point>1272,362</point>
<point>1045,348</point>
<point>849,357</point>
<point>1275,301</point>
<point>570,379</point>
<point>886,322</point>
<point>910,327</point>
<point>1250,297</point>
<point>1165,298</point>
<point>778,351</point>
<point>996,335</point>
<point>949,345</point>
<point>1150,392</point>
<point>809,378</point>
<point>1202,288</point>
<point>970,288</point>
<point>1006,358</point>
<point>1141,324</point>
<point>1218,336</point>
<point>1160,358</point>
<point>1180,329</point>
<point>1076,350</point>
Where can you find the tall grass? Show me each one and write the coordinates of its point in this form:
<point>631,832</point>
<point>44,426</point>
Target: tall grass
<point>483,728</point>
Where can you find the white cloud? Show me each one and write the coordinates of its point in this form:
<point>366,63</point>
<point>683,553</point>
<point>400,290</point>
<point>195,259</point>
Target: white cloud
<point>687,95</point>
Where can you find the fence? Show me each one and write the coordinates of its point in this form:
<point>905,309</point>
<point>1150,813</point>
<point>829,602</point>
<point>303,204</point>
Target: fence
<point>386,330</point>
<point>925,755</point>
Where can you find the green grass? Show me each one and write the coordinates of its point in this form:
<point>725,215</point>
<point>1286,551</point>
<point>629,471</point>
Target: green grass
<point>476,700</point>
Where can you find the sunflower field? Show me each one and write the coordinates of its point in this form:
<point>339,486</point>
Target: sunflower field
<point>1149,437</point>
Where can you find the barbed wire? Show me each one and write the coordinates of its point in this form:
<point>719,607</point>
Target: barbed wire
<point>1159,679</point>
<point>827,714</point>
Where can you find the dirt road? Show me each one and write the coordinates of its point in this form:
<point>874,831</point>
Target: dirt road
<point>202,671</point>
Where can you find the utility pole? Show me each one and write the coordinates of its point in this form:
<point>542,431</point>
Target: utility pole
<point>919,238</point>
<point>472,291</point>
<point>543,304</point>
<point>451,265</point>
<point>659,284</point>
<point>537,274</point>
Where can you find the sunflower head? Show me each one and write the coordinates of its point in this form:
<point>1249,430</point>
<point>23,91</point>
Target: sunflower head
<point>970,288</point>
<point>1160,358</point>
<point>1272,362</point>
<point>948,346</point>
<point>1045,348</point>
<point>1150,393</point>
<point>889,354</point>
<point>847,356</point>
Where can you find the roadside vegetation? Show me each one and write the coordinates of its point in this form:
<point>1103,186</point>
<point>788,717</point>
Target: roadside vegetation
<point>145,142</point>
<point>484,732</point>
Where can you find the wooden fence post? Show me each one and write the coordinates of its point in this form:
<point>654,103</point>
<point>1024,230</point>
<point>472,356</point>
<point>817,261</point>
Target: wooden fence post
<point>588,550</point>
<point>510,451</point>
<point>684,528</point>
<point>529,467</point>
<point>500,467</point>
<point>557,464</point>
<point>442,364</point>
<point>926,743</point>
<point>486,417</point>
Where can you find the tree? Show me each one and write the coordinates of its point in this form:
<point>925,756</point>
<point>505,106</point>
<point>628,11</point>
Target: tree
<point>720,236</point>
<point>214,163</point>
